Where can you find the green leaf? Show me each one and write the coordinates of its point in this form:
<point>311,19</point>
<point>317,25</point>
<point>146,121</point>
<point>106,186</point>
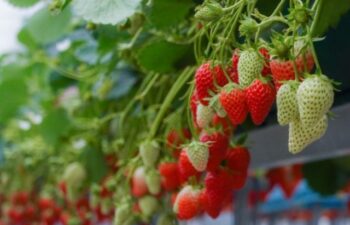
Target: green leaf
<point>160,15</point>
<point>46,28</point>
<point>330,13</point>
<point>13,90</point>
<point>26,39</point>
<point>13,93</point>
<point>329,182</point>
<point>54,125</point>
<point>23,3</point>
<point>106,11</point>
<point>95,165</point>
<point>343,163</point>
<point>160,56</point>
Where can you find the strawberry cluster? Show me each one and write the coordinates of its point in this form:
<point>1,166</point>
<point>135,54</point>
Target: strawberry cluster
<point>244,88</point>
<point>303,106</point>
<point>26,208</point>
<point>208,182</point>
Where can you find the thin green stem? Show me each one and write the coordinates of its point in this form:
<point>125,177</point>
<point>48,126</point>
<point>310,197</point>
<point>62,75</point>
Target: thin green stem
<point>190,118</point>
<point>316,9</point>
<point>271,20</point>
<point>169,99</point>
<point>278,8</point>
<point>296,72</point>
<point>232,6</point>
<point>232,27</point>
<point>148,87</point>
<point>313,51</point>
<point>266,23</point>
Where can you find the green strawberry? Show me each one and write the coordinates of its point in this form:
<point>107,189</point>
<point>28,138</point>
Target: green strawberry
<point>122,213</point>
<point>198,154</point>
<point>301,136</point>
<point>315,97</point>
<point>149,151</point>
<point>148,205</point>
<point>204,115</point>
<point>287,105</point>
<point>209,12</point>
<point>153,181</point>
<point>250,65</point>
<point>74,175</point>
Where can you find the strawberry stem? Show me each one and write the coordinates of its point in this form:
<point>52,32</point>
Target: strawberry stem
<point>169,98</point>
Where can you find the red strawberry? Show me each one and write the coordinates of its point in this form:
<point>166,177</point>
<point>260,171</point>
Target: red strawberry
<point>238,179</point>
<point>193,106</point>
<point>223,124</point>
<point>112,161</point>
<point>217,190</point>
<point>20,198</point>
<point>63,188</point>
<point>169,172</point>
<point>217,143</point>
<point>233,100</point>
<point>213,210</point>
<point>219,76</point>
<point>260,97</point>
<point>185,167</point>
<point>204,82</point>
<point>138,183</point>
<point>176,138</point>
<point>266,70</point>
<point>238,158</point>
<point>219,181</point>
<point>187,203</point>
<point>235,59</point>
<point>14,215</point>
<point>30,212</point>
<point>287,177</point>
<point>45,203</point>
<point>232,73</point>
<point>282,70</point>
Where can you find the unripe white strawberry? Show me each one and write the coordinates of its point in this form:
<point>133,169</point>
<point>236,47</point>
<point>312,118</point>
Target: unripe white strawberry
<point>198,154</point>
<point>249,68</point>
<point>315,97</point>
<point>153,181</point>
<point>204,115</point>
<point>149,151</point>
<point>301,136</point>
<point>287,104</point>
<point>148,205</point>
<point>122,213</point>
<point>74,175</point>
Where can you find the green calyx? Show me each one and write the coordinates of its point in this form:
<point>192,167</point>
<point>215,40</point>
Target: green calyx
<point>281,46</point>
<point>216,105</point>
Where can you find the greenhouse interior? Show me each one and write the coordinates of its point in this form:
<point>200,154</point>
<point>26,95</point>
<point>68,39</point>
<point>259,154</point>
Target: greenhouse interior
<point>165,112</point>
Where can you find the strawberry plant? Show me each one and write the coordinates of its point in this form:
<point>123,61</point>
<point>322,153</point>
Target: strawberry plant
<point>130,110</point>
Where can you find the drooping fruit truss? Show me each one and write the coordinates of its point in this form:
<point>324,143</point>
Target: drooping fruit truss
<point>142,112</point>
